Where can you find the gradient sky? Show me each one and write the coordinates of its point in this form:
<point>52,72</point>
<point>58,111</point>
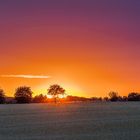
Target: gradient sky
<point>90,47</point>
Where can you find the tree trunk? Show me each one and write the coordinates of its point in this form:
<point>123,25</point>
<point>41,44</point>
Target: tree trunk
<point>55,100</point>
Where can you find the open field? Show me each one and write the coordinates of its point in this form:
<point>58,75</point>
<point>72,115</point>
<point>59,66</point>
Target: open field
<point>76,121</point>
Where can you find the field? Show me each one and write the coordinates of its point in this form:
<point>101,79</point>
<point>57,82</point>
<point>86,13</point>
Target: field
<point>75,121</point>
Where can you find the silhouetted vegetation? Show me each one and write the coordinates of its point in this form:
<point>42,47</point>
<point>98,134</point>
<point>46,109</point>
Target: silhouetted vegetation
<point>23,94</point>
<point>105,99</point>
<point>2,96</point>
<point>133,96</point>
<point>55,91</point>
<point>96,99</point>
<point>124,98</point>
<point>113,96</point>
<point>76,98</point>
<point>40,99</point>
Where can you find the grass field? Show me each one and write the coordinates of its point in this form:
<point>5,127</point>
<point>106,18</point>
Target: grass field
<point>76,121</point>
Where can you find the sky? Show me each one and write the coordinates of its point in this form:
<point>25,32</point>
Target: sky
<point>89,47</point>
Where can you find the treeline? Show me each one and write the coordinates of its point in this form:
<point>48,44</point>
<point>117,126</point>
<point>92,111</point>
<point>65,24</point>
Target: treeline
<point>24,94</point>
<point>133,96</point>
<point>112,97</point>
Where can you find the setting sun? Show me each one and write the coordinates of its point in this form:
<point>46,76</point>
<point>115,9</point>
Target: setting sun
<point>49,96</point>
<point>62,96</point>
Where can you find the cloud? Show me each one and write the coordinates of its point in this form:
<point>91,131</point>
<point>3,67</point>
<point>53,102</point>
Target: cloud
<point>26,76</point>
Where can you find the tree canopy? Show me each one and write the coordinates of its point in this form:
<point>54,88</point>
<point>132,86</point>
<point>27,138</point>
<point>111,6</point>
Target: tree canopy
<point>2,96</point>
<point>23,94</point>
<point>113,96</point>
<point>56,90</point>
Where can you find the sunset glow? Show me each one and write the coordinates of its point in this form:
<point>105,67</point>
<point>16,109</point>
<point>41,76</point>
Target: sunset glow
<point>62,96</point>
<point>88,47</point>
<point>49,96</point>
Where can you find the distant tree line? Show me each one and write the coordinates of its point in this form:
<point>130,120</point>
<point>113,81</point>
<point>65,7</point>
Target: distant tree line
<point>133,96</point>
<point>24,94</point>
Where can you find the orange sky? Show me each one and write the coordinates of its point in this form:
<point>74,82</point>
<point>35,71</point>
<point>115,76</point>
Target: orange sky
<point>89,51</point>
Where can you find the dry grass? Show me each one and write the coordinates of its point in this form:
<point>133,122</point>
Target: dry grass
<point>79,121</point>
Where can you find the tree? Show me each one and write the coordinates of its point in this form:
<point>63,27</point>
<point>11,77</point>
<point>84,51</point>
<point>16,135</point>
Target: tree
<point>23,94</point>
<point>55,91</point>
<point>113,96</point>
<point>106,99</point>
<point>133,96</point>
<point>2,96</point>
<point>40,99</point>
<point>125,98</point>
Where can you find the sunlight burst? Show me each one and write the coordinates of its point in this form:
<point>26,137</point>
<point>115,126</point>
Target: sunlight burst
<point>49,96</point>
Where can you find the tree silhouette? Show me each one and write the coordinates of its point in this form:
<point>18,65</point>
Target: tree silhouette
<point>23,94</point>
<point>55,91</point>
<point>113,96</point>
<point>106,99</point>
<point>2,96</point>
<point>40,99</point>
<point>133,96</point>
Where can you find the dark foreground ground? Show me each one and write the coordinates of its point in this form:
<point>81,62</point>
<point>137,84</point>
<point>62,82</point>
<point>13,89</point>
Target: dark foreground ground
<point>79,121</point>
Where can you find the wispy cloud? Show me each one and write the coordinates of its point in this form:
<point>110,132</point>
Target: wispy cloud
<point>26,76</point>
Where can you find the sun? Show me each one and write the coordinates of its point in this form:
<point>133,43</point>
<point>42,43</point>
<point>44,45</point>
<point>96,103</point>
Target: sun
<point>49,96</point>
<point>62,96</point>
<point>59,96</point>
